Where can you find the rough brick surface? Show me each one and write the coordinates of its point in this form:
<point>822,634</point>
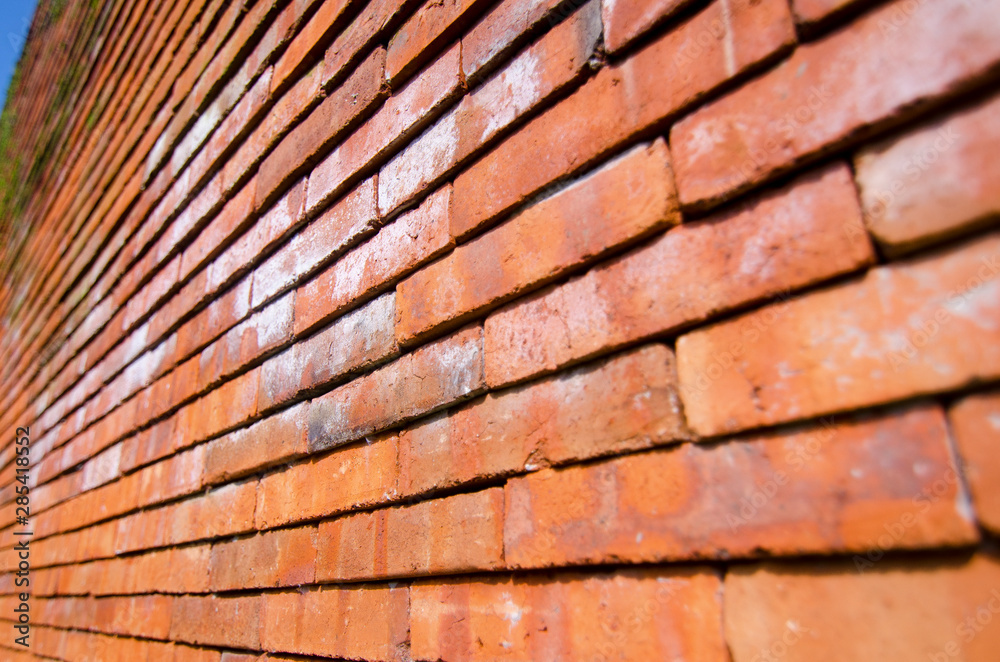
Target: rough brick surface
<point>482,330</point>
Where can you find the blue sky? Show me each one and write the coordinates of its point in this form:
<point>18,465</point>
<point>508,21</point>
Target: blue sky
<point>15,20</point>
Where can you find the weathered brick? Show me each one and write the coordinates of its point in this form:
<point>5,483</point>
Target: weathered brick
<point>275,439</point>
<point>924,326</point>
<point>225,511</point>
<point>803,233</point>
<point>360,339</point>
<point>273,558</point>
<point>501,30</point>
<point>933,181</point>
<point>371,24</point>
<point>823,612</point>
<point>352,477</point>
<point>460,533</point>
<point>573,227</point>
<point>625,403</point>
<point>849,486</point>
<point>306,43</point>
<point>624,21</point>
<point>975,421</point>
<point>434,376</point>
<point>330,120</point>
<point>628,615</point>
<point>804,107</point>
<point>811,12</point>
<point>527,81</point>
<point>311,622</point>
<point>619,103</point>
<point>403,115</point>
<point>400,247</point>
<point>353,218</point>
<point>233,622</point>
<point>425,31</point>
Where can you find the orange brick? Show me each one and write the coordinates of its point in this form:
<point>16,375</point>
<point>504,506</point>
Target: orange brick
<point>341,226</point>
<point>361,339</point>
<point>312,622</point>
<point>822,612</point>
<point>460,533</point>
<point>352,477</point>
<point>411,240</point>
<point>403,115</point>
<point>573,227</point>
<point>805,232</point>
<point>273,558</point>
<point>434,376</point>
<point>273,440</point>
<point>232,622</point>
<point>425,32</point>
<point>804,108</point>
<point>524,83</point>
<point>925,326</point>
<point>620,102</point>
<point>629,615</point>
<point>932,182</point>
<point>624,21</point>
<point>848,486</point>
<point>323,23</point>
<point>975,421</point>
<point>498,33</point>
<point>625,403</point>
<point>333,118</point>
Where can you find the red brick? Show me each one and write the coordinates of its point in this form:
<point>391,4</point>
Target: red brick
<point>353,218</point>
<point>621,404</point>
<point>624,21</point>
<point>975,421</point>
<point>330,120</point>
<point>225,511</point>
<point>401,117</point>
<point>229,222</point>
<point>933,181</point>
<point>411,240</point>
<point>434,376</point>
<point>628,615</point>
<point>226,407</point>
<point>805,107</point>
<point>273,440</point>
<point>527,81</point>
<point>501,31</point>
<point>841,487</point>
<point>803,233</point>
<point>617,104</point>
<point>177,475</point>
<point>313,622</point>
<point>925,326</point>
<point>233,622</point>
<point>370,26</point>
<point>306,44</point>
<point>285,214</point>
<point>274,558</point>
<point>353,477</point>
<point>822,613</point>
<point>460,533</point>
<point>246,342</point>
<point>573,227</point>
<point>425,32</point>
<point>361,339</point>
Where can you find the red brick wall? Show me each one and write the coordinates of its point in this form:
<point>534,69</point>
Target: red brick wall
<point>644,330</point>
